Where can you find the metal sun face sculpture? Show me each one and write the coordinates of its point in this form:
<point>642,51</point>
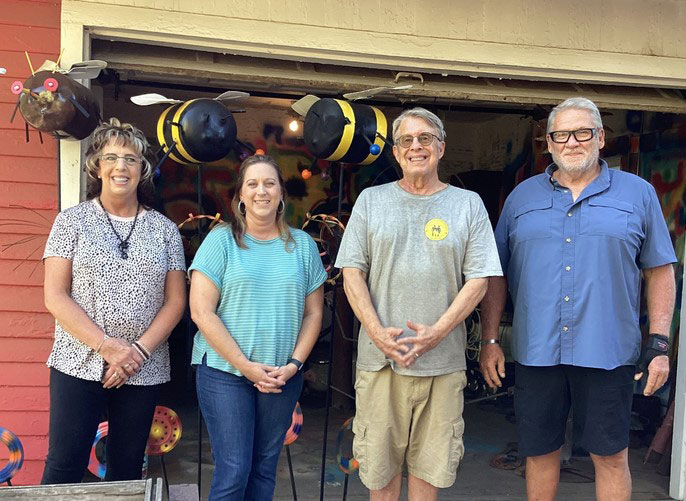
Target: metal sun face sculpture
<point>52,101</point>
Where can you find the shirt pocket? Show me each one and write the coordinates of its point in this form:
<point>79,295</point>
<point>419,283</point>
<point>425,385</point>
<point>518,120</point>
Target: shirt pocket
<point>533,220</point>
<point>605,217</point>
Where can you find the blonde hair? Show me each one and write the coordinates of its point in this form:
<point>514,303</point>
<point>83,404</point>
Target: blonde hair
<point>122,134</point>
<point>239,224</point>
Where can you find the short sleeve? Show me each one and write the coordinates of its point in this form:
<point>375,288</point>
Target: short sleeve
<point>481,254</point>
<point>502,236</point>
<point>354,250</point>
<point>175,257</point>
<point>657,248</point>
<point>316,274</point>
<point>63,238</point>
<point>211,258</point>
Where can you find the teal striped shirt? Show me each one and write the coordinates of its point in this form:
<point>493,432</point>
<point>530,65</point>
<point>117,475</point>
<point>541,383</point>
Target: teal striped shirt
<point>262,293</point>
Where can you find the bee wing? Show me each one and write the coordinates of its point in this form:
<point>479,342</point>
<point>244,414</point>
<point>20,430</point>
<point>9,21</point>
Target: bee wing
<point>231,94</point>
<point>148,99</point>
<point>86,70</point>
<point>303,105</point>
<point>363,94</point>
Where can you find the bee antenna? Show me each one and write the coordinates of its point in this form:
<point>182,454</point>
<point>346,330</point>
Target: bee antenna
<point>29,60</point>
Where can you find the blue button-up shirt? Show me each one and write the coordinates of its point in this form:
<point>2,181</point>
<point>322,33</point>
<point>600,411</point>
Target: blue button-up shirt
<point>574,267</point>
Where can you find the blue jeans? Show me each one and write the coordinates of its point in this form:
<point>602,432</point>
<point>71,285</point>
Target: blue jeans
<point>247,429</point>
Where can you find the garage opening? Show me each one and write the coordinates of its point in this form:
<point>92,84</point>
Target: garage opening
<point>495,138</point>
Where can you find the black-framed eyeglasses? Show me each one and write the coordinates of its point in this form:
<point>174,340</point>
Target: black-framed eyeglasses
<point>425,139</point>
<point>581,135</point>
<point>129,160</point>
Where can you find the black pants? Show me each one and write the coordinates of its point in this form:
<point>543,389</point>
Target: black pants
<point>76,406</point>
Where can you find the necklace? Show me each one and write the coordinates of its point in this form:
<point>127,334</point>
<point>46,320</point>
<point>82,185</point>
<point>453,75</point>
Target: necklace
<point>123,244</point>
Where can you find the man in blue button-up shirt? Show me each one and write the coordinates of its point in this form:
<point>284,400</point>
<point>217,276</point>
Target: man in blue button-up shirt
<point>574,242</point>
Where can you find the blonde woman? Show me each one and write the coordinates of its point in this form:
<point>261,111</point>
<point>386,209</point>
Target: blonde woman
<point>114,281</point>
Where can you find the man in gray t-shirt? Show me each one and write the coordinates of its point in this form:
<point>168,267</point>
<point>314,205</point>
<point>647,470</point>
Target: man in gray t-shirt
<point>415,255</point>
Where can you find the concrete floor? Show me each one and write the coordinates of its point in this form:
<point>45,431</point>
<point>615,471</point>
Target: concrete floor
<point>487,432</point>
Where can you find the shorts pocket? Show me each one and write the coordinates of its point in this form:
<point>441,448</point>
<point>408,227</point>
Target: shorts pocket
<point>456,446</point>
<point>360,444</point>
<point>606,216</point>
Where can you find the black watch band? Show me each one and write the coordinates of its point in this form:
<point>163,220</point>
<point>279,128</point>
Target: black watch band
<point>296,362</point>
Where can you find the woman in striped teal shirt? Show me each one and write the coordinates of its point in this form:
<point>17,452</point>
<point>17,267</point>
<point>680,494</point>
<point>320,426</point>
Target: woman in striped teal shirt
<point>257,297</point>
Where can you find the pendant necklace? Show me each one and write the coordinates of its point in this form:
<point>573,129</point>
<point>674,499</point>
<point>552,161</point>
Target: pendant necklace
<point>123,244</point>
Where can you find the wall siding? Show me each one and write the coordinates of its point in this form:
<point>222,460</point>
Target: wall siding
<point>28,205</point>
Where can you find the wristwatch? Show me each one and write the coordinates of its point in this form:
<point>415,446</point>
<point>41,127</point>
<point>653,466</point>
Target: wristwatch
<point>297,363</point>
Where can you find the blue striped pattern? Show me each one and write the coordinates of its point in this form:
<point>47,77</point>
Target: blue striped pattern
<point>263,290</point>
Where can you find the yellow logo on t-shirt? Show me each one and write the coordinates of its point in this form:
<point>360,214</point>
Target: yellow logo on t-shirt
<point>436,229</point>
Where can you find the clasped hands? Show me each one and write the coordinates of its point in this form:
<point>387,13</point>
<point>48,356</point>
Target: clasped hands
<point>268,378</point>
<point>405,351</point>
<point>122,362</point>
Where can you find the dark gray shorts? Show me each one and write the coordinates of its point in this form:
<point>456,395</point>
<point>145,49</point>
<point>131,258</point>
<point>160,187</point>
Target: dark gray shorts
<point>600,401</point>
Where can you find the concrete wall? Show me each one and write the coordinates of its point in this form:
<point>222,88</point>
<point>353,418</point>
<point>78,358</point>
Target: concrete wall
<point>28,205</point>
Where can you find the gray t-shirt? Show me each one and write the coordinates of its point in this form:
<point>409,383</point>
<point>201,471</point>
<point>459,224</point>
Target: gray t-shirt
<point>417,251</point>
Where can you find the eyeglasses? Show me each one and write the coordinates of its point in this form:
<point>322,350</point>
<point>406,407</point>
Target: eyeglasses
<point>425,139</point>
<point>581,135</point>
<point>129,160</point>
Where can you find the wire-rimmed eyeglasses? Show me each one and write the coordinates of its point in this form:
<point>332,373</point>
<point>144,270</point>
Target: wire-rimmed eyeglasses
<point>129,160</point>
<point>425,139</point>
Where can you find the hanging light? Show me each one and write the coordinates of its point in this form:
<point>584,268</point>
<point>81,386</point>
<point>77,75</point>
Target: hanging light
<point>294,125</point>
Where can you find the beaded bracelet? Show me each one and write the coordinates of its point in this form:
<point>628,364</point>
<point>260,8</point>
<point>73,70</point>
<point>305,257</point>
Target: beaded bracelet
<point>142,349</point>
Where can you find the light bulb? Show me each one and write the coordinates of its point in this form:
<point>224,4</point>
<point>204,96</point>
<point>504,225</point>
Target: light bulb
<point>293,125</point>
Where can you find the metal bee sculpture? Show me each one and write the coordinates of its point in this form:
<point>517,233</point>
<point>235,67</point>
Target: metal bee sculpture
<point>52,101</point>
<point>339,130</point>
<point>196,131</point>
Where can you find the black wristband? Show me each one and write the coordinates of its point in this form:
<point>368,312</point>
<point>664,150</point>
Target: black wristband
<point>296,362</point>
<point>657,345</point>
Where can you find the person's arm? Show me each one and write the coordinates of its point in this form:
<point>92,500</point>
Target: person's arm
<point>204,298</point>
<point>660,291</point>
<point>121,357</point>
<point>430,336</point>
<point>492,358</point>
<point>307,337</point>
<point>385,338</point>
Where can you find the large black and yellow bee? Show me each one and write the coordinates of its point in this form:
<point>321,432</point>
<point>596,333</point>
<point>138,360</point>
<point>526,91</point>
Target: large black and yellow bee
<point>196,131</point>
<point>339,130</point>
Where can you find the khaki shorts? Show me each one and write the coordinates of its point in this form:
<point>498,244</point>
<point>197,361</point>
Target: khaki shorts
<point>408,418</point>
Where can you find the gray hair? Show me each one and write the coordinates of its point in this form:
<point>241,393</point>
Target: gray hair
<point>425,115</point>
<point>576,103</point>
<point>123,134</point>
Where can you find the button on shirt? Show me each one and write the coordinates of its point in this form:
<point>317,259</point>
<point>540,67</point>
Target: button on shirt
<point>574,268</point>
